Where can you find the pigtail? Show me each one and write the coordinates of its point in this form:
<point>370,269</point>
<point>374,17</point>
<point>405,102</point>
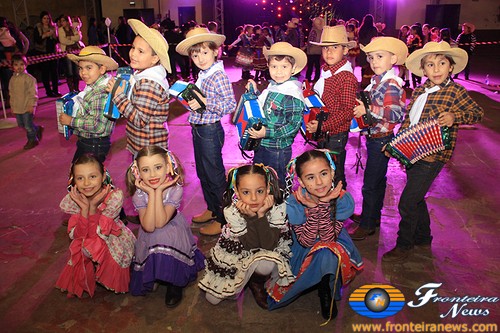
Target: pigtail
<point>290,175</point>
<point>130,177</point>
<point>273,184</point>
<point>228,196</point>
<point>175,167</point>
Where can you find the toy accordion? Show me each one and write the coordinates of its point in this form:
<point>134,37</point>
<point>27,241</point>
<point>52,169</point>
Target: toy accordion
<point>248,114</point>
<point>315,110</point>
<point>123,75</point>
<point>419,141</point>
<point>185,92</point>
<point>65,105</point>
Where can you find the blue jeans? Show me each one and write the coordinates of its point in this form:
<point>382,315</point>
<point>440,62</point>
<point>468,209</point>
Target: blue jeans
<point>275,158</point>
<point>208,141</point>
<point>374,181</point>
<point>99,147</point>
<point>25,120</point>
<point>415,224</point>
<point>337,143</point>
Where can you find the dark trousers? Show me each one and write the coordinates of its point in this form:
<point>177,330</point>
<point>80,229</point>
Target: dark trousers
<point>337,144</point>
<point>414,227</point>
<point>99,147</point>
<point>208,141</point>
<point>374,181</point>
<point>50,76</point>
<point>313,62</point>
<point>275,158</point>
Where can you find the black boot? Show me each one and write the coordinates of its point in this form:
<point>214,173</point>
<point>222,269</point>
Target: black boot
<point>173,296</point>
<point>258,289</point>
<point>326,302</point>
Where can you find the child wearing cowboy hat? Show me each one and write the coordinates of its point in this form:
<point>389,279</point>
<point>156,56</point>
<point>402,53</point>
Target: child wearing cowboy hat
<point>337,88</point>
<point>146,106</point>
<point>388,101</point>
<point>90,125</point>
<point>208,135</point>
<point>283,103</point>
<point>439,97</point>
<point>466,40</point>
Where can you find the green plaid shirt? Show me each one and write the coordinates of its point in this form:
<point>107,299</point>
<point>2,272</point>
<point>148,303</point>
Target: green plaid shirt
<point>90,121</point>
<point>284,116</point>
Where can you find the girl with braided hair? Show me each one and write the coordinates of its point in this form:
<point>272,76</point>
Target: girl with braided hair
<point>254,247</point>
<point>323,254</point>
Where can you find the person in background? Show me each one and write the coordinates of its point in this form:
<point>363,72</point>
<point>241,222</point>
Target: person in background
<point>466,40</point>
<point>46,39</point>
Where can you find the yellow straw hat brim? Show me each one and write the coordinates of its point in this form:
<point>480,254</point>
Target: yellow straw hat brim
<point>196,36</point>
<point>389,44</point>
<point>96,55</point>
<point>286,49</point>
<point>459,56</point>
<point>155,39</point>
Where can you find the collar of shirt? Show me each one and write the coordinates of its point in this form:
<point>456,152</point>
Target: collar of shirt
<point>335,67</point>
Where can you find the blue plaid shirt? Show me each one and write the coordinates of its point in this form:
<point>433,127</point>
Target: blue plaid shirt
<point>220,99</point>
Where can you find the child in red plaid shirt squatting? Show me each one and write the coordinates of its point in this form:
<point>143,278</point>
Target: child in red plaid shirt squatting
<point>387,109</point>
<point>337,87</point>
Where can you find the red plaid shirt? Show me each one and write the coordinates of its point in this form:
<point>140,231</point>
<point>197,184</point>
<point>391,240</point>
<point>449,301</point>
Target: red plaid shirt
<point>339,96</point>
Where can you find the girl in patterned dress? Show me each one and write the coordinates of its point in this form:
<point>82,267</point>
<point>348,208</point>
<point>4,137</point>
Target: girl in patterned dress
<point>254,246</point>
<point>102,246</point>
<point>323,254</point>
<point>165,251</point>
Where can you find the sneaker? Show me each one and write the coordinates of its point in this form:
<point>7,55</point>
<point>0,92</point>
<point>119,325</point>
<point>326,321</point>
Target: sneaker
<point>396,254</point>
<point>30,145</point>
<point>39,132</point>
<point>213,229</point>
<point>204,217</point>
<point>361,233</point>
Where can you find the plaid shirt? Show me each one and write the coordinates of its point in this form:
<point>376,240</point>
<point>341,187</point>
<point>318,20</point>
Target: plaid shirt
<point>452,97</point>
<point>339,96</point>
<point>146,111</point>
<point>284,117</point>
<point>90,122</point>
<point>220,99</point>
<point>388,104</point>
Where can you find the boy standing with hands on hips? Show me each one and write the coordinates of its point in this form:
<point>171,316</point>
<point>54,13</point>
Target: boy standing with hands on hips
<point>387,109</point>
<point>208,134</point>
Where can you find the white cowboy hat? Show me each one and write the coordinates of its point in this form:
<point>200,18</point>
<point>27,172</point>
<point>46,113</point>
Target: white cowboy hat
<point>336,35</point>
<point>460,57</point>
<point>389,44</point>
<point>198,35</point>
<point>286,49</point>
<point>94,54</point>
<point>155,39</point>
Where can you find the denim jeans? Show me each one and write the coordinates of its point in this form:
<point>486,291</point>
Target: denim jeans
<point>415,224</point>
<point>337,143</point>
<point>374,181</point>
<point>208,141</point>
<point>99,147</point>
<point>25,120</point>
<point>275,158</point>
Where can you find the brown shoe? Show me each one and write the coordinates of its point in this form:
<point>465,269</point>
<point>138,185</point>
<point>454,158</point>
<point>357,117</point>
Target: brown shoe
<point>258,289</point>
<point>396,254</point>
<point>204,217</point>
<point>31,144</point>
<point>213,229</point>
<point>357,218</point>
<point>361,233</point>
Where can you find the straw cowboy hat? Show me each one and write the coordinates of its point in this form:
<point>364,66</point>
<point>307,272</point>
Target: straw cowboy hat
<point>336,35</point>
<point>198,35</point>
<point>389,44</point>
<point>284,48</point>
<point>96,55</point>
<point>155,39</point>
<point>459,56</point>
<point>471,26</point>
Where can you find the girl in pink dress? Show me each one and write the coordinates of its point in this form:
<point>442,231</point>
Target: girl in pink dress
<point>102,246</point>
